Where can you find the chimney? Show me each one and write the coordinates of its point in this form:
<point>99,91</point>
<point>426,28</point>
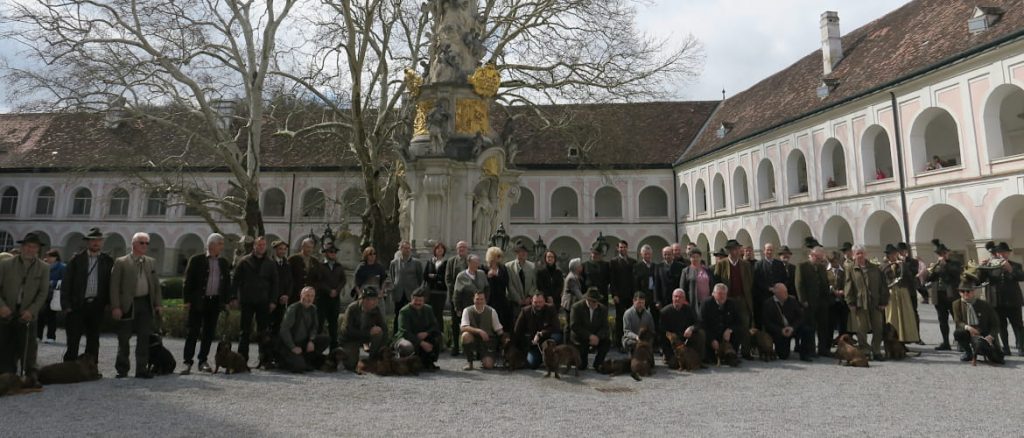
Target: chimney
<point>225,109</point>
<point>831,43</point>
<point>116,114</point>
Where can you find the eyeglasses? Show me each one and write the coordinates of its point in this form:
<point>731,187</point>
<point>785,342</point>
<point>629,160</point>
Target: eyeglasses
<point>143,243</point>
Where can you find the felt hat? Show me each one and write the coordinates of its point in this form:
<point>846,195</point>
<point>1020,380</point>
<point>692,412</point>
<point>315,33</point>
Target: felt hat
<point>811,242</point>
<point>593,294</point>
<point>31,238</point>
<point>785,250</point>
<point>720,253</point>
<point>93,234</point>
<point>902,246</point>
<point>939,246</point>
<point>732,243</point>
<point>847,246</point>
<point>967,284</point>
<point>890,248</point>
<point>277,243</point>
<point>1001,247</point>
<point>369,292</point>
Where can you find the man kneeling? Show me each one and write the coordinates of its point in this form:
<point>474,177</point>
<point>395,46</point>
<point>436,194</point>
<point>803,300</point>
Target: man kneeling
<point>783,319</point>
<point>418,331</point>
<point>364,324</point>
<point>588,324</point>
<point>680,319</point>
<point>537,323</point>
<point>301,346</point>
<point>480,330</point>
<point>976,325</point>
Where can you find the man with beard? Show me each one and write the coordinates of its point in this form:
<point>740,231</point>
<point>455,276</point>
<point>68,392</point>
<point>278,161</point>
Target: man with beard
<point>418,331</point>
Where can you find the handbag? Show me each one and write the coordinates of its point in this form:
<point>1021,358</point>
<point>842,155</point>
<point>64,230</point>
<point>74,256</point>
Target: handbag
<point>55,300</point>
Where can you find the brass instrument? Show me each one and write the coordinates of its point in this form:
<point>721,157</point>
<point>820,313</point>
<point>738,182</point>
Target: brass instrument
<point>897,267</point>
<point>992,270</point>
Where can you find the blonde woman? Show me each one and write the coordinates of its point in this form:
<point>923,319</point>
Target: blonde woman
<point>497,280</point>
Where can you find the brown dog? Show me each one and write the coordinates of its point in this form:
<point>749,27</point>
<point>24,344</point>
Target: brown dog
<point>515,359</point>
<point>642,360</point>
<point>406,366</point>
<point>763,343</point>
<point>687,359</point>
<point>81,370</point>
<point>335,359</point>
<point>894,349</point>
<point>845,351</point>
<point>556,356</point>
<point>727,354</point>
<point>381,366</point>
<point>230,360</point>
<point>11,384</point>
<point>614,367</point>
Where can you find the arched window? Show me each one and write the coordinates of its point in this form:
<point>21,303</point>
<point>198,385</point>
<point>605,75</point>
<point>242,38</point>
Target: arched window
<point>156,203</point>
<point>45,201</point>
<point>934,141</point>
<point>701,199</point>
<point>564,203</point>
<point>118,203</point>
<point>313,203</point>
<point>833,164</point>
<point>273,203</point>
<point>877,154</point>
<point>523,208</point>
<point>740,192</point>
<point>653,202</point>
<point>766,180</point>
<point>607,202</point>
<point>81,203</point>
<point>9,201</point>
<point>355,203</point>
<point>6,241</point>
<point>719,192</point>
<point>796,169</point>
<point>684,201</point>
<point>1004,123</point>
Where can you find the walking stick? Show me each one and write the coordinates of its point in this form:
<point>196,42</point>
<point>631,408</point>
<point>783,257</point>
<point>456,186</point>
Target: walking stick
<point>24,354</point>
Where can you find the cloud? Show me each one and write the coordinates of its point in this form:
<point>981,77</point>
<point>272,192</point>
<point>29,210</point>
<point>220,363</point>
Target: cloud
<point>748,40</point>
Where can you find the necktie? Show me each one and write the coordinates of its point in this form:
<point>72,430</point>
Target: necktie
<point>522,277</point>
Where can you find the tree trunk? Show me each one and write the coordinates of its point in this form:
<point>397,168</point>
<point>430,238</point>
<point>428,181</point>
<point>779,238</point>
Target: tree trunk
<point>253,218</point>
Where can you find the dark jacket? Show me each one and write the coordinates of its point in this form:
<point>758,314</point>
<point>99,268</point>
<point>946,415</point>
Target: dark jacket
<point>550,281</point>
<point>255,280</point>
<point>812,286</point>
<point>300,275</point>
<point>663,283</point>
<point>358,323</point>
<point>76,278</point>
<point>642,275</point>
<point>622,282</point>
<point>411,322</point>
<point>582,325</point>
<point>284,281</point>
<point>597,274</point>
<point>715,319</point>
<point>436,283</point>
<point>676,321</point>
<point>299,325</point>
<point>1005,287</point>
<point>988,320</point>
<point>531,322</point>
<point>772,317</point>
<point>326,277</point>
<point>196,274</point>
<point>766,274</point>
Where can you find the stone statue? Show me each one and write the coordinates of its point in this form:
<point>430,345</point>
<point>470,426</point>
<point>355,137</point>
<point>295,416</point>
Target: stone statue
<point>485,209</point>
<point>405,217</point>
<point>456,45</point>
<point>438,126</point>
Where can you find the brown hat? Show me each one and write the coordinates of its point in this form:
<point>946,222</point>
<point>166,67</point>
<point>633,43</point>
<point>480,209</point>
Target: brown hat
<point>277,243</point>
<point>785,250</point>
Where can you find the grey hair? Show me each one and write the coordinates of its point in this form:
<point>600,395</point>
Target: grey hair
<point>214,238</point>
<point>646,248</point>
<point>575,264</point>
<point>856,248</point>
<point>139,235</point>
<point>722,287</point>
<point>472,257</point>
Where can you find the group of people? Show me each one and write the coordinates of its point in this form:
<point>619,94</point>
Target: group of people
<point>296,301</point>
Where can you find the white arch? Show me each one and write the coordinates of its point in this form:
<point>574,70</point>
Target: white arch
<point>935,132</point>
<point>740,187</point>
<point>766,180</point>
<point>607,202</point>
<point>1004,128</point>
<point>796,173</point>
<point>833,163</point>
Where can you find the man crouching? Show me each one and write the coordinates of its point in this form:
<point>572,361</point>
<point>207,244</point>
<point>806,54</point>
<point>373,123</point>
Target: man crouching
<point>480,331</point>
<point>301,346</point>
<point>418,331</point>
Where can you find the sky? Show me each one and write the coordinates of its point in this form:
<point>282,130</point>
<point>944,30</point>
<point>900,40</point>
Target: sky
<point>744,40</point>
<point>748,40</point>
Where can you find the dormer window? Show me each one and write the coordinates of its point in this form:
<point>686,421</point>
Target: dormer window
<point>574,152</point>
<point>724,129</point>
<point>984,17</point>
<point>828,85</point>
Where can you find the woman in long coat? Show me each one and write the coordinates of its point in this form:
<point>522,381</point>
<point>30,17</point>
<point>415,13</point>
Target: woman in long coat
<point>900,281</point>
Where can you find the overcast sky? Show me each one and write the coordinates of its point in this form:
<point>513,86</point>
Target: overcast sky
<point>748,40</point>
<point>744,40</point>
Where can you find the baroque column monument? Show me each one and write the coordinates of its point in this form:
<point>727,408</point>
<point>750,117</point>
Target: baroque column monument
<point>459,175</point>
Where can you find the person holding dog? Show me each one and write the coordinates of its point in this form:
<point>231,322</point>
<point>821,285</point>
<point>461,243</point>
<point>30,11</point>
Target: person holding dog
<point>722,322</point>
<point>977,325</point>
<point>418,331</point>
<point>255,287</point>
<point>680,318</point>
<point>739,277</point>
<point>867,297</point>
<point>784,321</point>
<point>24,284</point>
<point>636,318</point>
<point>134,302</point>
<point>84,295</point>
<point>480,330</point>
<point>536,323</point>
<point>364,324</point>
<point>299,338</point>
<point>588,326</point>
<point>206,290</point>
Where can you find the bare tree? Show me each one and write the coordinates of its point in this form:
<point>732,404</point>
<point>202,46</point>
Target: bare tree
<point>196,69</point>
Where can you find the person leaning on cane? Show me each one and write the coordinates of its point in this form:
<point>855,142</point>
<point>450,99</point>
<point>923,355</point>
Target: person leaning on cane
<point>24,284</point>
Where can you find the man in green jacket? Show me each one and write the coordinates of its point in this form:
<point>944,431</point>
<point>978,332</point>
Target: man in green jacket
<point>300,341</point>
<point>867,296</point>
<point>364,324</point>
<point>812,289</point>
<point>24,284</point>
<point>418,331</point>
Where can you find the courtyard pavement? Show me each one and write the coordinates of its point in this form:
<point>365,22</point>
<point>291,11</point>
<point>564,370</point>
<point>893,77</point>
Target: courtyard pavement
<point>931,395</point>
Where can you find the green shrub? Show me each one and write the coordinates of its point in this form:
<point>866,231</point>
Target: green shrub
<point>171,287</point>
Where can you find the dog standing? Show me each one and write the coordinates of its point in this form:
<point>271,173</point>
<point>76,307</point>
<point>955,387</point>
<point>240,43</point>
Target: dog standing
<point>727,354</point>
<point>161,361</point>
<point>894,349</point>
<point>407,366</point>
<point>845,351</point>
<point>556,356</point>
<point>230,360</point>
<point>763,343</point>
<point>380,366</point>
<point>81,370</point>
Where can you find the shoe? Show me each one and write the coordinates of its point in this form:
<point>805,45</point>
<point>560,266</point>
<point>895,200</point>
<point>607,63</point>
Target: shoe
<point>468,367</point>
<point>121,375</point>
<point>144,375</point>
<point>205,367</point>
<point>806,358</point>
<point>943,347</point>
<point>50,341</point>
<point>1006,351</point>
<point>825,354</point>
<point>455,353</point>
<point>919,342</point>
<point>878,357</point>
<point>966,357</point>
<point>432,367</point>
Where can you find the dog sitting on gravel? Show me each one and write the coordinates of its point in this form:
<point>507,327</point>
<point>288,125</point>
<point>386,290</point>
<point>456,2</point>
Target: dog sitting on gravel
<point>726,354</point>
<point>642,359</point>
<point>268,345</point>
<point>380,365</point>
<point>81,370</point>
<point>764,345</point>
<point>335,359</point>
<point>894,349</point>
<point>515,359</point>
<point>406,366</point>
<point>845,351</point>
<point>686,358</point>
<point>12,384</point>
<point>161,361</point>
<point>556,356</point>
<point>230,360</point>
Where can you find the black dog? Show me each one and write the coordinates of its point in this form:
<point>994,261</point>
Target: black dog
<point>161,361</point>
<point>81,370</point>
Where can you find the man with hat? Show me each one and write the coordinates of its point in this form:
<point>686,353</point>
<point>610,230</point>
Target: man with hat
<point>622,284</point>
<point>867,297</point>
<point>635,319</point>
<point>406,273</point>
<point>588,325</point>
<point>847,250</point>
<point>944,276</point>
<point>785,254</point>
<point>522,284</point>
<point>299,343</point>
<point>719,255</point>
<point>596,270</point>
<point>536,323</point>
<point>329,279</point>
<point>814,294</point>
<point>738,275</point>
<point>84,295</point>
<point>254,284</point>
<point>418,331</point>
<point>135,300</point>
<point>1004,294</point>
<point>207,290</point>
<point>364,324</point>
<point>283,295</point>
<point>976,325</point>
<point>913,266</point>
<point>24,284</point>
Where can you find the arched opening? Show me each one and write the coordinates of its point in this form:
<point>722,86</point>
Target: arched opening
<point>1004,122</point>
<point>607,203</point>
<point>882,228</point>
<point>720,239</point>
<point>118,203</point>
<point>934,141</point>
<point>743,237</point>
<point>701,197</point>
<point>948,224</point>
<point>719,192</point>
<point>837,230</point>
<point>613,245</point>
<point>273,203</point>
<point>566,248</point>
<point>565,203</point>
<point>73,242</point>
<point>876,152</point>
<point>188,246</point>
<point>704,246</point>
<point>1008,222</point>
<point>685,240</point>
<point>156,251</point>
<point>314,203</point>
<point>527,242</point>
<point>81,202</point>
<point>833,164</point>
<point>653,202</point>
<point>769,235</point>
<point>45,201</point>
<point>115,245</point>
<point>796,171</point>
<point>684,201</point>
<point>6,241</point>
<point>766,180</point>
<point>523,208</point>
<point>156,203</point>
<point>656,243</point>
<point>798,231</point>
<point>9,201</point>
<point>354,201</point>
<point>740,192</point>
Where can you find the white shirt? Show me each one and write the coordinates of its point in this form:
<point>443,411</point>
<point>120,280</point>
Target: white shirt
<point>494,317</point>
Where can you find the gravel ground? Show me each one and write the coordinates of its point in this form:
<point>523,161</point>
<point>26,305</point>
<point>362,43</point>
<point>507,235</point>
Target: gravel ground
<point>930,395</point>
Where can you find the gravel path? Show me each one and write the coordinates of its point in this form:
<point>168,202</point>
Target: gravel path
<point>924,396</point>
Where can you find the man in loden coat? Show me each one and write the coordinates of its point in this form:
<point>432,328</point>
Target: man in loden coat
<point>24,285</point>
<point>737,274</point>
<point>812,290</point>
<point>867,296</point>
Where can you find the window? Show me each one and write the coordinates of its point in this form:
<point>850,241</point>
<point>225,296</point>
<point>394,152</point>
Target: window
<point>765,180</point>
<point>653,202</point>
<point>833,164</point>
<point>876,154</point>
<point>273,203</point>
<point>9,201</point>
<point>719,192</point>
<point>523,208</point>
<point>740,195</point>
<point>608,203</point>
<point>355,203</point>
<point>796,169</point>
<point>156,203</point>
<point>45,202</point>
<point>313,203</point>
<point>701,200</point>
<point>81,204</point>
<point>118,203</point>
<point>6,242</point>
<point>564,203</point>
<point>934,141</point>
